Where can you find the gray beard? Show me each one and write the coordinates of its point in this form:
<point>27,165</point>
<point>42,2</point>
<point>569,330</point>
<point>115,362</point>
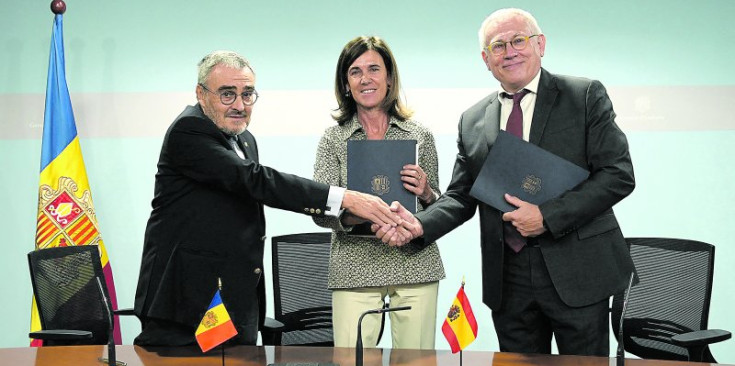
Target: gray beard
<point>231,132</point>
<point>226,130</point>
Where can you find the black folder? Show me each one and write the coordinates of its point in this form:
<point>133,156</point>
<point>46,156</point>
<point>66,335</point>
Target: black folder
<point>524,170</point>
<point>374,167</point>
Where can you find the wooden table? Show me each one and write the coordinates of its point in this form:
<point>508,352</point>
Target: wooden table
<point>262,356</point>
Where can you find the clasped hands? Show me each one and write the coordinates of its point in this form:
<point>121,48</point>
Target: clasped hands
<point>409,229</point>
<point>527,219</point>
<point>398,224</point>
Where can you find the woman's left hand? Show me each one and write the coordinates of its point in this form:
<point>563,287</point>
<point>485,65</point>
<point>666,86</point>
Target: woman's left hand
<point>415,180</point>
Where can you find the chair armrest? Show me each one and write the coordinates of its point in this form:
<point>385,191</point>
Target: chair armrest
<point>271,332</point>
<point>272,325</point>
<point>127,311</point>
<point>700,337</point>
<point>61,334</point>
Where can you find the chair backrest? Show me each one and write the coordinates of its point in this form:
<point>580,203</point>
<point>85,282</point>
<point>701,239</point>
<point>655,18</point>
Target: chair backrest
<point>303,302</point>
<point>66,290</point>
<point>672,297</point>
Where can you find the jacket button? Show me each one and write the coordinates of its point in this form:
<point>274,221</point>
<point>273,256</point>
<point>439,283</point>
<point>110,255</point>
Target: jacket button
<point>318,211</point>
<point>257,271</point>
<point>312,210</point>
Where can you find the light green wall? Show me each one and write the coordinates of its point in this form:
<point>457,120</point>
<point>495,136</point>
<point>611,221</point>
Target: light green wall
<point>137,45</point>
<point>685,178</point>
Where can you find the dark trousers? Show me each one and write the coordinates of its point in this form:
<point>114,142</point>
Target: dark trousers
<point>531,312</point>
<point>159,332</point>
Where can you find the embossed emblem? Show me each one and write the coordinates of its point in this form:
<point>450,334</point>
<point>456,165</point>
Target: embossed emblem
<point>454,312</point>
<point>210,319</point>
<point>380,185</point>
<point>531,184</point>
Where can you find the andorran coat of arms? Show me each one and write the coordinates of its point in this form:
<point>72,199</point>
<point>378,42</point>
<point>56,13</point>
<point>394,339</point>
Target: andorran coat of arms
<point>65,218</point>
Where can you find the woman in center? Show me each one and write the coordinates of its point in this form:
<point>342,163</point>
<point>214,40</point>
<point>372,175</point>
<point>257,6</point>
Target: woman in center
<point>362,270</point>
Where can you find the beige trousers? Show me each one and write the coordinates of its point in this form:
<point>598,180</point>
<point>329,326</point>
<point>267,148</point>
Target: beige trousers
<point>413,329</point>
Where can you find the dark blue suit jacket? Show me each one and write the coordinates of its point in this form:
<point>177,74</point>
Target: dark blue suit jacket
<point>584,249</point>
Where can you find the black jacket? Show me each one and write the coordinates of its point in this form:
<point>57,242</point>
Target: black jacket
<point>207,222</point>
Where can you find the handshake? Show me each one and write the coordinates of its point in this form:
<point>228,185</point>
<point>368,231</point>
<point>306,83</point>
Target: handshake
<point>393,224</point>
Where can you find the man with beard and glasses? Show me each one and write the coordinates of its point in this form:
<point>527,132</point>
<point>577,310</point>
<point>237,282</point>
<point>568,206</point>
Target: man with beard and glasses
<point>207,220</point>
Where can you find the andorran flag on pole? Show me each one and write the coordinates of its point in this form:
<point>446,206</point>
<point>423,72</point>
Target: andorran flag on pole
<point>460,326</point>
<point>216,326</point>
<point>66,215</point>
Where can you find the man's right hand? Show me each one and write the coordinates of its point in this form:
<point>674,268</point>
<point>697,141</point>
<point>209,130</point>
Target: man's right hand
<point>410,229</point>
<point>371,208</point>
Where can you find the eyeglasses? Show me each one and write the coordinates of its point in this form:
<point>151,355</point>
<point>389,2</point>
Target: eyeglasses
<point>227,97</point>
<point>518,43</point>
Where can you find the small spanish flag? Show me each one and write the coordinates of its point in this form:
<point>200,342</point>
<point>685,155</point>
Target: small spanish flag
<point>216,326</point>
<point>460,326</point>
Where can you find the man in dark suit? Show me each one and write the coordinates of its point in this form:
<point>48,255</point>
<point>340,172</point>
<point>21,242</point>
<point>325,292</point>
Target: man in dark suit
<point>207,220</point>
<point>573,256</point>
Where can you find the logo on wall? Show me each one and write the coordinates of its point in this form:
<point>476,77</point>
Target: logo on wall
<point>380,185</point>
<point>65,219</point>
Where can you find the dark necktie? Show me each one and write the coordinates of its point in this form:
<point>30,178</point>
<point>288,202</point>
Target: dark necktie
<point>515,120</point>
<point>515,126</point>
<point>238,150</point>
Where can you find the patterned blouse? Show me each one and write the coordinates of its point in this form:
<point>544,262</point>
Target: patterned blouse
<point>368,262</point>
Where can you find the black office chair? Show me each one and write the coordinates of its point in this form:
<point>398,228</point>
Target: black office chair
<point>69,301</point>
<point>667,311</point>
<point>302,300</point>
<point>68,284</point>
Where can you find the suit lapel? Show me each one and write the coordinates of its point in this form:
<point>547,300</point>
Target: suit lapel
<point>492,120</point>
<point>247,144</point>
<point>243,144</point>
<point>547,92</point>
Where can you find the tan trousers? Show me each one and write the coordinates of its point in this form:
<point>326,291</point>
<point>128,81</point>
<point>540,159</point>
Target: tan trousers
<point>412,329</point>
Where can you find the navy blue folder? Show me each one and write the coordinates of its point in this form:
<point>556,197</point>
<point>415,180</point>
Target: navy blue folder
<point>524,170</point>
<point>374,167</point>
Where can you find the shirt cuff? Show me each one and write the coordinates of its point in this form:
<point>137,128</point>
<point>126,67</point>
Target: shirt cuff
<point>434,197</point>
<point>334,200</point>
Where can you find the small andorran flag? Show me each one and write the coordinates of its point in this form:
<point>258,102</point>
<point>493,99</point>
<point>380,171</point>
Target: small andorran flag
<point>216,326</point>
<point>460,326</point>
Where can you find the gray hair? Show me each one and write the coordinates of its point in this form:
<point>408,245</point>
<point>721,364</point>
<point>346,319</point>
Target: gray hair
<point>503,14</point>
<point>227,58</point>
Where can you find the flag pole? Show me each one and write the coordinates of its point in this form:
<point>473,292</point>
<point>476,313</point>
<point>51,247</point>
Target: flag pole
<point>221,346</point>
<point>460,350</point>
<point>58,7</point>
